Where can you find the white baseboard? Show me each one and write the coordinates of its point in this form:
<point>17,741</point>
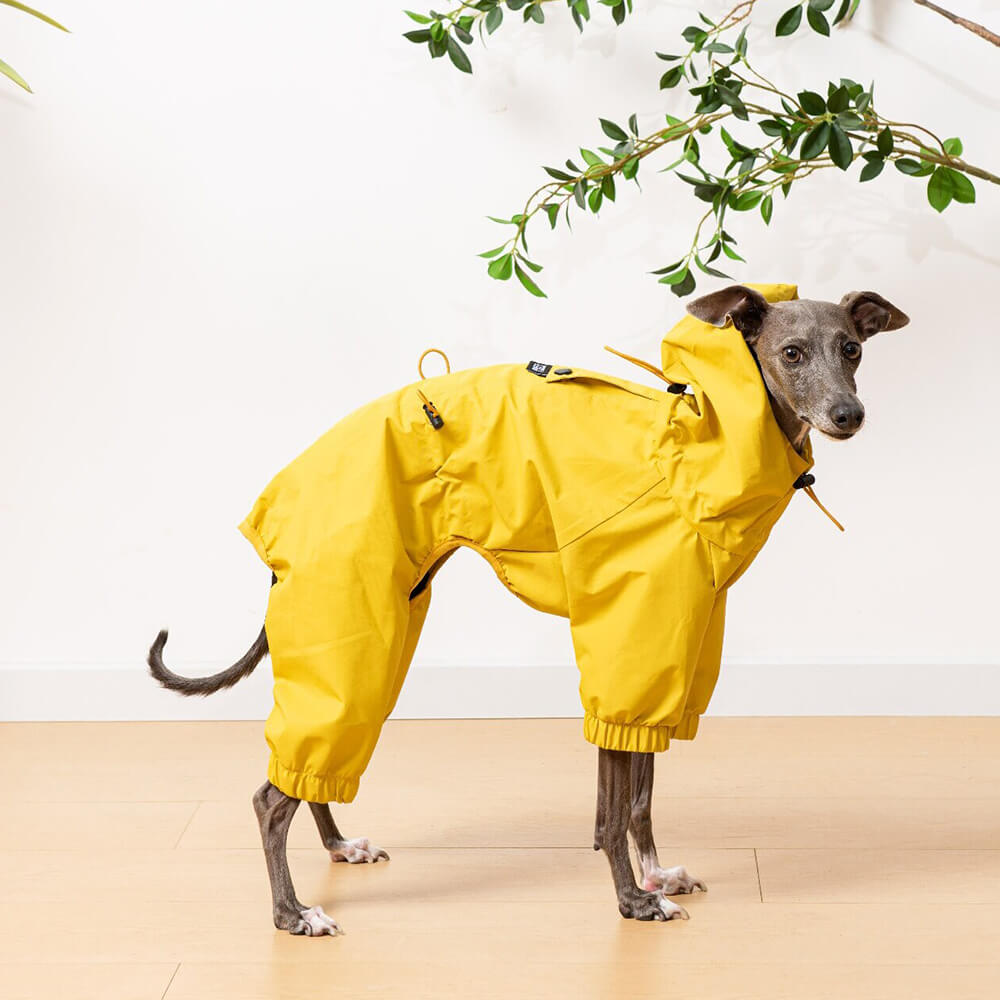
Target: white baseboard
<point>93,693</point>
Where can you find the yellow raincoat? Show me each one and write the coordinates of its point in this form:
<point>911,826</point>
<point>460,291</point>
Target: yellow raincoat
<point>627,509</point>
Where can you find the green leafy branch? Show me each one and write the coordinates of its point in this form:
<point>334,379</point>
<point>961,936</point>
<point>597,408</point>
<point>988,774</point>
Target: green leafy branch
<point>796,136</point>
<point>8,70</point>
<point>446,33</point>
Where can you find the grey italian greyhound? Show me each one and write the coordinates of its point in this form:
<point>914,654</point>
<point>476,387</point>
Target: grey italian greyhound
<point>808,354</point>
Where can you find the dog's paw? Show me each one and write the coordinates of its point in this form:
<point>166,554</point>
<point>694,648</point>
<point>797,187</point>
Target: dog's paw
<point>313,922</point>
<point>651,906</point>
<point>359,851</point>
<point>672,881</point>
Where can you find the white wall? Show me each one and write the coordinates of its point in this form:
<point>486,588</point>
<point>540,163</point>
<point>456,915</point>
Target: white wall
<point>225,225</point>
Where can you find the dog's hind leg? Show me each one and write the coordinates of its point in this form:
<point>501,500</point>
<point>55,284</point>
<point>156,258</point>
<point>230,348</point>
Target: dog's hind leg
<point>614,801</point>
<point>355,852</point>
<point>669,881</point>
<point>274,812</point>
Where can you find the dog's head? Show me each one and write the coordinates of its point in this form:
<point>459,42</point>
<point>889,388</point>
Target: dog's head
<point>808,351</point>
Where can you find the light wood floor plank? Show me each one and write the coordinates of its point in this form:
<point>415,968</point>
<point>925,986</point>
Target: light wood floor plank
<point>578,979</point>
<point>84,980</point>
<point>880,876</point>
<point>481,933</point>
<point>508,875</point>
<point>130,865</point>
<point>424,818</point>
<point>46,826</point>
<point>846,758</point>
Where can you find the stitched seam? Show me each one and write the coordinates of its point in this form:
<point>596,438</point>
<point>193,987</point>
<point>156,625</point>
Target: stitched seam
<point>610,517</point>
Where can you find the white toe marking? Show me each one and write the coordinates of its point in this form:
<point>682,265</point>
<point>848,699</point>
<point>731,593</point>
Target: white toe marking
<point>671,911</point>
<point>357,852</point>
<point>673,881</point>
<point>319,923</point>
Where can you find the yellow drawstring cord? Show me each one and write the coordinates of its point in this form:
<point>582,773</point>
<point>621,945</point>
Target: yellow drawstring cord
<point>638,361</point>
<point>435,418</point>
<point>815,499</point>
<point>659,374</point>
<point>433,350</point>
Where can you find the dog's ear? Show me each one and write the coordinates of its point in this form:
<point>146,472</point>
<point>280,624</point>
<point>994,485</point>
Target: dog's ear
<point>745,307</point>
<point>870,313</point>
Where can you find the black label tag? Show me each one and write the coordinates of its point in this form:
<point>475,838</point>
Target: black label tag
<point>537,368</point>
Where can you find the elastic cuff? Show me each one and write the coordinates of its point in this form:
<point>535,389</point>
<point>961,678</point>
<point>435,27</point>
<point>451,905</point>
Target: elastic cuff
<point>311,787</point>
<point>635,738</point>
<point>623,736</point>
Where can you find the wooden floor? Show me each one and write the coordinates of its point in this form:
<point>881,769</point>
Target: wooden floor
<point>846,858</point>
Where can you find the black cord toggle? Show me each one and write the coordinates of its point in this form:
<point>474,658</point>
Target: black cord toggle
<point>806,479</point>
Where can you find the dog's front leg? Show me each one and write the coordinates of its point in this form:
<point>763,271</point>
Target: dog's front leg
<point>614,804</point>
<point>670,881</point>
<point>274,812</point>
<point>360,850</point>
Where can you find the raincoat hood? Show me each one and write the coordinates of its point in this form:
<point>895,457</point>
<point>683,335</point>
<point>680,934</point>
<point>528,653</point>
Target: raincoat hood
<point>731,463</point>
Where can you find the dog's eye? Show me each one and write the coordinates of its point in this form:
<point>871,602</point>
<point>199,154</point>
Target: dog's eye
<point>792,355</point>
<point>852,350</point>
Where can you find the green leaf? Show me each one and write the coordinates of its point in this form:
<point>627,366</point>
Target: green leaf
<point>746,200</point>
<point>591,158</point>
<point>40,16</point>
<point>594,199</point>
<point>579,194</point>
<point>671,78</point>
<point>940,190</point>
<point>841,150</point>
<point>872,169</point>
<point>670,267</point>
<point>821,4</point>
<point>494,252</point>
<point>613,131</point>
<point>535,13</point>
<point>666,57</point>
<point>552,211</point>
<point>766,208</point>
<point>559,175</point>
<point>494,19</point>
<point>525,280</point>
<point>608,187</point>
<point>419,36</point>
<point>953,147</point>
<point>817,21</point>
<point>815,141</point>
<point>673,279</point>
<point>789,22</point>
<point>771,126</point>
<point>419,18</point>
<point>502,267</point>
<point>961,187</point>
<point>630,168</point>
<point>914,168</point>
<point>685,287</point>
<point>849,120</point>
<point>13,74</point>
<point>811,103</point>
<point>884,143</point>
<point>730,252</point>
<point>842,11</point>
<point>838,100</point>
<point>457,55</point>
<point>534,267</point>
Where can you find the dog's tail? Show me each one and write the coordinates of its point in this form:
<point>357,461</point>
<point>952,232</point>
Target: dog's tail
<point>243,667</point>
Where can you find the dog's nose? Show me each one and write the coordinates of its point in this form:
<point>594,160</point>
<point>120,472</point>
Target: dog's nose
<point>848,415</point>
